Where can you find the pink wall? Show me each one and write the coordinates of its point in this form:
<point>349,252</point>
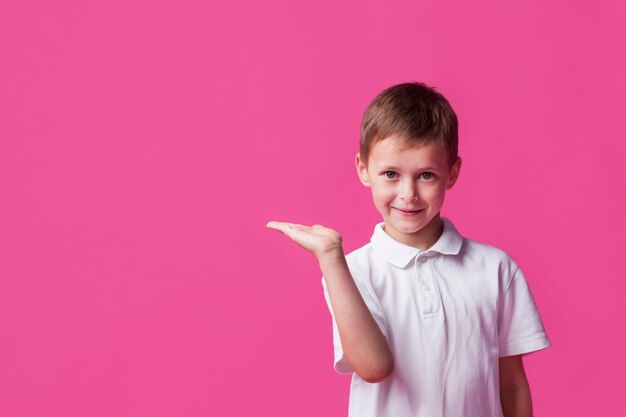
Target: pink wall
<point>144,145</point>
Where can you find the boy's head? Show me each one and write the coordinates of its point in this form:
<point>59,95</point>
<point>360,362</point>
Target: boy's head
<point>415,114</point>
<point>409,158</point>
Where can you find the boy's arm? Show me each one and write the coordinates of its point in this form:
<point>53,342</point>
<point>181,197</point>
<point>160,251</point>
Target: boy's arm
<point>364,345</point>
<point>514,389</point>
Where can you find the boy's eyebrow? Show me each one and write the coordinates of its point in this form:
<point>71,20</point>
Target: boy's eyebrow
<point>390,167</point>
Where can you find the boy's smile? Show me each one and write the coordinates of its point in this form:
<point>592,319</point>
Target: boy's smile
<point>408,187</point>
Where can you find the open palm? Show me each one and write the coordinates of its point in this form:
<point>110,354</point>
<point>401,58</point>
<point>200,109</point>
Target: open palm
<point>317,239</point>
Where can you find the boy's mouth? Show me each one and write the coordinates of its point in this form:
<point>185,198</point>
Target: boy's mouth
<point>408,211</point>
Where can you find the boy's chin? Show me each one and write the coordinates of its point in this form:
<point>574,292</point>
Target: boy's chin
<point>410,225</point>
<point>407,227</point>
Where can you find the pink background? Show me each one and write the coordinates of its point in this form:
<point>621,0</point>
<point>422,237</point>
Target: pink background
<point>144,145</point>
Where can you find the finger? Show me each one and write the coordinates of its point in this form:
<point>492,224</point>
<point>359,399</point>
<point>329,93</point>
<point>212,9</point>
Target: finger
<point>289,229</point>
<point>293,232</point>
<point>280,226</point>
<point>301,226</point>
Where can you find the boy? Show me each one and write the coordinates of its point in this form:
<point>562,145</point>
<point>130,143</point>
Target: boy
<point>429,323</point>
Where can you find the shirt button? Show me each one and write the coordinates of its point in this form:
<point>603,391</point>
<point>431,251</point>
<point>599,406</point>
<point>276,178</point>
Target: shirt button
<point>426,287</point>
<point>423,259</point>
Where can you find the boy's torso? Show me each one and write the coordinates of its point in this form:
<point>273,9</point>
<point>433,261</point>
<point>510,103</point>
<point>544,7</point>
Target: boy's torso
<point>439,309</point>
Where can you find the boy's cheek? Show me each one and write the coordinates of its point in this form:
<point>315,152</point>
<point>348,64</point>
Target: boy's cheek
<point>382,195</point>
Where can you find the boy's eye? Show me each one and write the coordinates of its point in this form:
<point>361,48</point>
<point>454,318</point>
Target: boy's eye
<point>425,175</point>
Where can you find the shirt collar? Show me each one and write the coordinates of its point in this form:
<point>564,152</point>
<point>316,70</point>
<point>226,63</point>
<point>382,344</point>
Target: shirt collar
<point>400,255</point>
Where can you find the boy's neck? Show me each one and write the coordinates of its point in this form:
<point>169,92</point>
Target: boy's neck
<point>422,239</point>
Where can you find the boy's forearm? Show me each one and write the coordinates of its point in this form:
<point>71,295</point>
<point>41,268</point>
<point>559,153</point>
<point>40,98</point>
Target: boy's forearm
<point>517,402</point>
<point>363,343</point>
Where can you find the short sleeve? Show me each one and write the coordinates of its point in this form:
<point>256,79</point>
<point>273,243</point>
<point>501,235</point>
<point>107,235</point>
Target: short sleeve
<point>520,329</point>
<point>341,364</point>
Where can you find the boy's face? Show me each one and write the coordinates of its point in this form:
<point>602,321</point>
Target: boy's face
<point>408,187</point>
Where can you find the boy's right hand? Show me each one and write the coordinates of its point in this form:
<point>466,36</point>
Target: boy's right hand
<point>319,240</point>
<point>364,344</point>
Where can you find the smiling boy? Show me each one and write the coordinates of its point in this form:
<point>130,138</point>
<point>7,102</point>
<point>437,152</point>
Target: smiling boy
<point>428,322</point>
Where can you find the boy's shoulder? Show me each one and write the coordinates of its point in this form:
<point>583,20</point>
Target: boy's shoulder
<point>486,251</point>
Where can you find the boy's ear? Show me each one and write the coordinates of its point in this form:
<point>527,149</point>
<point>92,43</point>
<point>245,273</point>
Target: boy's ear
<point>454,172</point>
<point>361,170</point>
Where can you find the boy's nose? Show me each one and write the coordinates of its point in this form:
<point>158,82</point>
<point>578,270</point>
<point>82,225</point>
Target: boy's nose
<point>408,191</point>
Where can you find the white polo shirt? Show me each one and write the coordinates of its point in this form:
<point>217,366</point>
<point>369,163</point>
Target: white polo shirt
<point>448,313</point>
